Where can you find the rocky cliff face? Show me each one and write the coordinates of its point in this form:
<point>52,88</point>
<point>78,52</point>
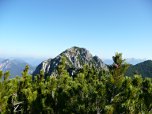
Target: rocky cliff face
<point>75,58</point>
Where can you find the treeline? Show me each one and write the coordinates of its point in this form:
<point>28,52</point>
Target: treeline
<point>89,91</point>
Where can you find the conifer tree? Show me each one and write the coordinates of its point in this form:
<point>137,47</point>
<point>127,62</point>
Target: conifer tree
<point>119,67</point>
<point>6,75</point>
<point>61,69</point>
<point>1,74</point>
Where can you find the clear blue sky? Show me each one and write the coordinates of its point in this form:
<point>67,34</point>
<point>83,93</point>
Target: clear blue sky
<point>44,28</point>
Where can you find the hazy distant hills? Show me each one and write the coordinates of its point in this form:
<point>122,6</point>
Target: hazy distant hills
<point>15,67</point>
<point>132,61</point>
<point>32,61</point>
<point>75,58</point>
<point>143,68</point>
<point>1,59</point>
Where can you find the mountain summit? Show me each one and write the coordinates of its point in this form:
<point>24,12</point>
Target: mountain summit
<point>75,58</point>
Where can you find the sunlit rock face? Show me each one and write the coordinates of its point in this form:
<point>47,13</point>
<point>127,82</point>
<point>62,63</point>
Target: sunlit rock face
<point>75,58</point>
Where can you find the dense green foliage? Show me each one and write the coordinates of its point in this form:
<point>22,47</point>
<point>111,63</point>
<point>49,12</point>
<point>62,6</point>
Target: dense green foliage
<point>90,91</point>
<point>144,69</point>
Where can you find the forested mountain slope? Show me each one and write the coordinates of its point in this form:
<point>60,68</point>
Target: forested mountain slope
<point>144,69</point>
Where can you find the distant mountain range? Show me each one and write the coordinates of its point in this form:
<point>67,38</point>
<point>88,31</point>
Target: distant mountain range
<point>15,67</point>
<point>75,58</point>
<point>32,61</point>
<point>132,61</point>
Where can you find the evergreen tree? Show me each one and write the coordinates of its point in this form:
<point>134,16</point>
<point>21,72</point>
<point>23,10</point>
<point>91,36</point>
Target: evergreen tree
<point>6,75</point>
<point>61,69</point>
<point>90,92</point>
<point>118,68</point>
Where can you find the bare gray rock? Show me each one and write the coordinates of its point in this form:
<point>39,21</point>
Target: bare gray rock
<point>75,58</point>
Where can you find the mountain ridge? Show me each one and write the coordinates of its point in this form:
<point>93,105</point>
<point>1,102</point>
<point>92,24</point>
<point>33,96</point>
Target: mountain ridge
<point>144,69</point>
<point>15,67</point>
<point>75,58</point>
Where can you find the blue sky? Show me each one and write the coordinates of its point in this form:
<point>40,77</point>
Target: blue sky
<point>45,28</point>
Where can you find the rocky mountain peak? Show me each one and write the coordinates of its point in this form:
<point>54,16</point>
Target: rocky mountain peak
<point>76,51</point>
<point>75,58</point>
